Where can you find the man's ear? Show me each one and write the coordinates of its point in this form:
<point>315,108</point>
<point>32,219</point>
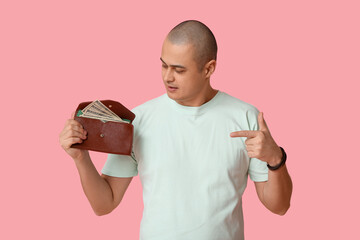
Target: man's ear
<point>209,68</point>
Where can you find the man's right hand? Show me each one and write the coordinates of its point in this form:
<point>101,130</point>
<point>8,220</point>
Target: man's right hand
<point>72,133</point>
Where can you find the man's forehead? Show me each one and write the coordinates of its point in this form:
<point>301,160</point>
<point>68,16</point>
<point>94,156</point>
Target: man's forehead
<point>177,54</point>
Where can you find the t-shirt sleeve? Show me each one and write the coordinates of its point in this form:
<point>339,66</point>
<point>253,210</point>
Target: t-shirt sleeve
<point>258,170</point>
<point>120,165</point>
<point>123,165</point>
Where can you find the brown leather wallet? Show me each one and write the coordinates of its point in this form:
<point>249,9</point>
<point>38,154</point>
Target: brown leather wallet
<point>108,137</point>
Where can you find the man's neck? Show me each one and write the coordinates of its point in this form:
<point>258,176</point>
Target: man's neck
<point>210,93</point>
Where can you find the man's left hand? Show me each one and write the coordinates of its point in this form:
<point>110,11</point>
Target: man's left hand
<point>260,144</point>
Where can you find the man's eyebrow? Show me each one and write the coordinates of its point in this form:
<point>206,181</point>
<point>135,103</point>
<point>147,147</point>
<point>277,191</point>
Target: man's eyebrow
<point>174,66</point>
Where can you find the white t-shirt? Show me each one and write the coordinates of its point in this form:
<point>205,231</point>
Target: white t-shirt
<point>192,172</point>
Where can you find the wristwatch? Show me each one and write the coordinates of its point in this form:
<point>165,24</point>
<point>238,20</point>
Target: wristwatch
<point>283,160</point>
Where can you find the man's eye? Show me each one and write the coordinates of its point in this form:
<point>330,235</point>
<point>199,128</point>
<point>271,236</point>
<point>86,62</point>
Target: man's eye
<point>179,70</point>
<point>164,66</point>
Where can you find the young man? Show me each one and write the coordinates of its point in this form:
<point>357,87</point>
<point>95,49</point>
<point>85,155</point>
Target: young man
<point>193,150</point>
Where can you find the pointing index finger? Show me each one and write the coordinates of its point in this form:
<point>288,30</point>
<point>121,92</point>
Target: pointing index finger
<point>247,134</point>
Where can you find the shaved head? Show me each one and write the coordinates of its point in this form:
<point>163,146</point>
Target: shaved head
<point>199,36</point>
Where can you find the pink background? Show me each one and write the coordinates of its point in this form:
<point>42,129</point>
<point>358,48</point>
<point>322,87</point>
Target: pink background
<point>296,61</point>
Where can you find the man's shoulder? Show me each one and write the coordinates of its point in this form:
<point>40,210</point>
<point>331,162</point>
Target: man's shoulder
<point>231,102</point>
<point>239,111</point>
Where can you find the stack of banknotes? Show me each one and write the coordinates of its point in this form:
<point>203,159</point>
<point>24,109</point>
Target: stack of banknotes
<point>97,110</point>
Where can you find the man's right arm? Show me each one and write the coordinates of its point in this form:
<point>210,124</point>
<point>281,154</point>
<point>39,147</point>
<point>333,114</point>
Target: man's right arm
<point>103,192</point>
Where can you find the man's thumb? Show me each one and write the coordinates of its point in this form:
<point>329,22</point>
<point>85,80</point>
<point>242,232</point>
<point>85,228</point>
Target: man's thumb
<point>262,123</point>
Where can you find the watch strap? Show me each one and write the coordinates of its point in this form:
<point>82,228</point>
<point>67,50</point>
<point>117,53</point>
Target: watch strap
<point>283,160</point>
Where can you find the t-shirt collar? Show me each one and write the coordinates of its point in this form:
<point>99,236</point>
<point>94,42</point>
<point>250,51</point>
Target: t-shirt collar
<point>195,110</point>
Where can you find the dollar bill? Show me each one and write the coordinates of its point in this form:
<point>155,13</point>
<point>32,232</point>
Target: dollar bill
<point>98,106</point>
<point>97,110</point>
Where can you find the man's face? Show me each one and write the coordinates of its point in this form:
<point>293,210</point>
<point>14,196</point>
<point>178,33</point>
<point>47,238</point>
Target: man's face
<point>183,81</point>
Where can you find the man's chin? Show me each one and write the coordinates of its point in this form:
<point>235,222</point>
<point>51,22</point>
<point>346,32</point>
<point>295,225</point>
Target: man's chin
<point>171,95</point>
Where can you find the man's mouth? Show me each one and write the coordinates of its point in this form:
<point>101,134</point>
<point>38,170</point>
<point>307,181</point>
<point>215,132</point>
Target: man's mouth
<point>171,88</point>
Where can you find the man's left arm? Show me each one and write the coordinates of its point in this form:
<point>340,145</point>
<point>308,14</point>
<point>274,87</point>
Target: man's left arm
<point>275,193</point>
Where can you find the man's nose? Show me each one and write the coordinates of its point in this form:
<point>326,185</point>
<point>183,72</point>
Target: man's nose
<point>169,75</point>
